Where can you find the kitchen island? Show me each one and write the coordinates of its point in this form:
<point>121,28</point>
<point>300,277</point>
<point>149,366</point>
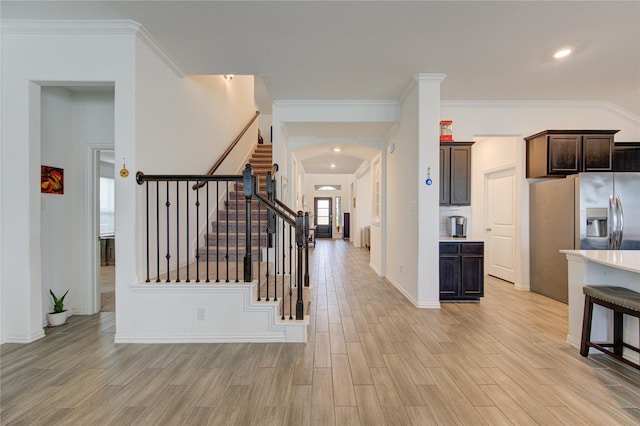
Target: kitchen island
<point>601,267</point>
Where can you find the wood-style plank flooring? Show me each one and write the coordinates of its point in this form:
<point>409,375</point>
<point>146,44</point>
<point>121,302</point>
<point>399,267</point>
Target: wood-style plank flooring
<point>372,359</point>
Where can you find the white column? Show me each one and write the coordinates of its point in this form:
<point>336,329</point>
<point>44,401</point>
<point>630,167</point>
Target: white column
<point>428,195</point>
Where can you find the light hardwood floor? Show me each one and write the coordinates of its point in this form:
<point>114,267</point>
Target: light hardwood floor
<point>372,359</point>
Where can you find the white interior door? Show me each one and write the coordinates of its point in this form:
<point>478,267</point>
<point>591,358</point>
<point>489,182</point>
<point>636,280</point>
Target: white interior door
<point>500,227</point>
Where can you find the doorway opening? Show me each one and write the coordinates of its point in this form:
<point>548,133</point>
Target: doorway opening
<point>323,217</point>
<point>107,235</point>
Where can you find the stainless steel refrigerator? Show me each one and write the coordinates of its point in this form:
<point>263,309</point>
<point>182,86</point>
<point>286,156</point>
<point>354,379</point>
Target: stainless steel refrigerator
<point>587,211</point>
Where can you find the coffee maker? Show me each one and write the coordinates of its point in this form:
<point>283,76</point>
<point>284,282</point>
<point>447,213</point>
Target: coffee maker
<point>458,226</point>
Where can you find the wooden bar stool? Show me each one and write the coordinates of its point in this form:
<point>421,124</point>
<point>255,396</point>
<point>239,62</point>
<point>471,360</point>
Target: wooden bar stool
<point>621,301</point>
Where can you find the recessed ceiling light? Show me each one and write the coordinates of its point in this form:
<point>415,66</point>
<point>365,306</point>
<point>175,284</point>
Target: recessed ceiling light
<point>337,149</point>
<point>333,166</point>
<point>562,53</point>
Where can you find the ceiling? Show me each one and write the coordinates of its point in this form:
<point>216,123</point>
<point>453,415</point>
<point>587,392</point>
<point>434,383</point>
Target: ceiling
<point>360,50</point>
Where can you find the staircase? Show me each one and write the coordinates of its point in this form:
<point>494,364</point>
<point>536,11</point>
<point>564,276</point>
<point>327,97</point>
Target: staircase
<point>221,242</point>
<point>216,304</point>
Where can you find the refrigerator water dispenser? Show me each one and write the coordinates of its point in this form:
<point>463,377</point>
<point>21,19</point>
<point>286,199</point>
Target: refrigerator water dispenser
<point>597,222</point>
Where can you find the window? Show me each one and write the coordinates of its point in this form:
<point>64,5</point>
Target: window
<point>338,211</point>
<point>327,187</point>
<point>107,206</point>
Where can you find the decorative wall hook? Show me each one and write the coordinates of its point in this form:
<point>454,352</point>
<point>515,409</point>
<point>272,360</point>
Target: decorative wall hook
<point>123,171</point>
<point>429,181</point>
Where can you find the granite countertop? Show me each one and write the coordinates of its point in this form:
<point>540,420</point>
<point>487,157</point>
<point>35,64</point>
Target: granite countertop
<point>628,260</point>
<point>446,239</point>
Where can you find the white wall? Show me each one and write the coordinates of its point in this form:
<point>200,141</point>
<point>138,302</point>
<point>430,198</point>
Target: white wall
<point>506,118</point>
<point>402,190</point>
<point>363,206</point>
<point>164,123</point>
<point>264,124</point>
<point>53,57</point>
<point>183,125</point>
<point>72,122</point>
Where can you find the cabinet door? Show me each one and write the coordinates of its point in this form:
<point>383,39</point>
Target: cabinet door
<point>445,172</point>
<point>598,153</point>
<point>460,194</point>
<point>565,154</point>
<point>449,276</point>
<point>472,276</point>
<point>626,157</point>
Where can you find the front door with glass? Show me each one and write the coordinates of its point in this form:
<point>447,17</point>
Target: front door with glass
<point>323,218</point>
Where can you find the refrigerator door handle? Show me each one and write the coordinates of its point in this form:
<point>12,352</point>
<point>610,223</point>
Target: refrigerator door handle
<point>620,222</point>
<point>613,223</point>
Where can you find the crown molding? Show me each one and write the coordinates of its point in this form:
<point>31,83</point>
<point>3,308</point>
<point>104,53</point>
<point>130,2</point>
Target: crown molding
<point>89,27</point>
<point>430,76</point>
<point>65,27</point>
<point>341,103</point>
<point>605,105</point>
<point>156,47</point>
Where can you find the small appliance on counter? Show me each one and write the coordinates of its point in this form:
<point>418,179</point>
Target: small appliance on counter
<point>458,226</point>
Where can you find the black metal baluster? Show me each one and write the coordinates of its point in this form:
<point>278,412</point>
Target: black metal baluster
<point>147,198</point>
<point>299,242</point>
<point>218,231</point>
<point>259,248</point>
<point>198,230</point>
<point>284,237</point>
<point>226,256</point>
<point>168,256</point>
<point>290,271</point>
<point>275,258</point>
<point>207,233</point>
<point>187,236</point>
<point>249,190</point>
<point>306,249</point>
<point>177,231</point>
<point>157,231</point>
<point>237,232</point>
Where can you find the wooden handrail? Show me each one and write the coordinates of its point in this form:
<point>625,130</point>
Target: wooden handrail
<point>226,153</point>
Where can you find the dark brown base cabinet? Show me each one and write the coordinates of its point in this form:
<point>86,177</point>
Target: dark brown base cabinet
<point>461,270</point>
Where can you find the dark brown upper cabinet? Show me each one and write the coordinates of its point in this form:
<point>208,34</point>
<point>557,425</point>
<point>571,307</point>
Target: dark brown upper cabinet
<point>626,157</point>
<point>557,153</point>
<point>455,173</point>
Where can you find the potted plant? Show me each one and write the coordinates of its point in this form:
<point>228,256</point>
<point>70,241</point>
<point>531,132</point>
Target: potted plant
<point>59,314</point>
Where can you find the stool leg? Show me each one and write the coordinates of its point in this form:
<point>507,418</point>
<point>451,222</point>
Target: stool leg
<point>586,325</point>
<point>617,333</point>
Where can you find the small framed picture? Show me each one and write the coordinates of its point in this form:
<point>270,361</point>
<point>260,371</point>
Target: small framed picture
<point>51,180</point>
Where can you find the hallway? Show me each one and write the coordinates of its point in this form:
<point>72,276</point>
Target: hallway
<point>372,358</point>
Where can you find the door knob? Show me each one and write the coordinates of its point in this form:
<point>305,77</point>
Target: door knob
<point>488,229</point>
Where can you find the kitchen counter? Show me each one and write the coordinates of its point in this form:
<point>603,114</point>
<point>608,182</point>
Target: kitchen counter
<point>628,260</point>
<point>446,239</point>
<point>601,267</point>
